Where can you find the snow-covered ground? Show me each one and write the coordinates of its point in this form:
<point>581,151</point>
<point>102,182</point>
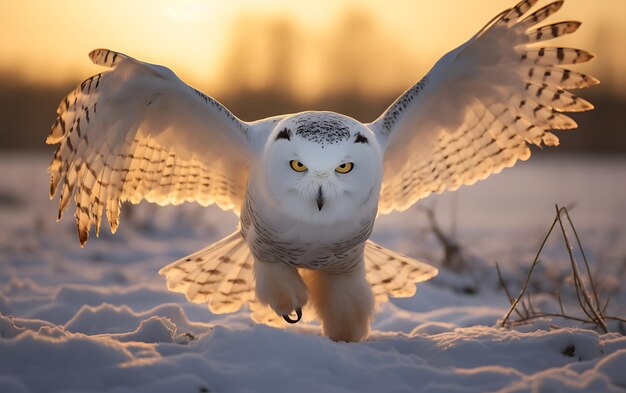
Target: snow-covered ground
<point>100,319</point>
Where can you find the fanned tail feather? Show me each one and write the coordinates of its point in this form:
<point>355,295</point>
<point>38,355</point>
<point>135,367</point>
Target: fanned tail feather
<point>393,274</point>
<point>220,275</point>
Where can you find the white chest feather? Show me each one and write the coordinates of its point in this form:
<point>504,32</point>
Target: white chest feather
<point>274,236</point>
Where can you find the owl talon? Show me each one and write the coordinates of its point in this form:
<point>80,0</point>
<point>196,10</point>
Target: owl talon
<point>298,311</point>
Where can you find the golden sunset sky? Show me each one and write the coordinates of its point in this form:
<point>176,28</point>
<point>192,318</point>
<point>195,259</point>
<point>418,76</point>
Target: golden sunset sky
<point>213,44</point>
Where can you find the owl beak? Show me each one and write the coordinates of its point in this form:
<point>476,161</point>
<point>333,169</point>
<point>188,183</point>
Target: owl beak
<point>319,199</point>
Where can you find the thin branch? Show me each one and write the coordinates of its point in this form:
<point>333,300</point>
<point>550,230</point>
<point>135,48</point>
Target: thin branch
<point>577,284</point>
<point>606,304</point>
<point>526,311</point>
<point>579,295</point>
<point>577,278</point>
<point>519,297</point>
<point>582,251</point>
<point>506,289</point>
<point>535,262</point>
<point>530,304</point>
<point>558,297</point>
<point>453,257</point>
<point>594,312</point>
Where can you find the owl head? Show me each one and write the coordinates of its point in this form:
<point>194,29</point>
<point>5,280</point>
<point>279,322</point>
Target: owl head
<point>322,167</point>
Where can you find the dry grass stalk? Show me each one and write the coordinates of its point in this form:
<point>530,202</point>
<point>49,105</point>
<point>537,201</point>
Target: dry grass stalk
<point>588,299</point>
<point>453,258</point>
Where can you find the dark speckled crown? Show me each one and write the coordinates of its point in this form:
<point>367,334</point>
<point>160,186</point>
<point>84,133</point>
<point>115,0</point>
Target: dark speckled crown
<point>322,127</point>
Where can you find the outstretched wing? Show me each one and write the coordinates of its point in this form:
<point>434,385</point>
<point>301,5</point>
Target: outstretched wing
<point>138,132</point>
<point>480,106</point>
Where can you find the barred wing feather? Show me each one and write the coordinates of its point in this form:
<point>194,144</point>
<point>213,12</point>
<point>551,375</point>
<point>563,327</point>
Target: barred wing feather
<point>138,132</point>
<point>480,106</point>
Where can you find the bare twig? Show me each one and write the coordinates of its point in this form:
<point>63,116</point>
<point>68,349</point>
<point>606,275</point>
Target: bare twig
<point>503,284</point>
<point>582,251</point>
<point>530,304</point>
<point>558,297</point>
<point>526,311</point>
<point>606,304</point>
<point>519,297</point>
<point>591,306</point>
<point>453,258</point>
<point>506,289</point>
<point>535,262</point>
<point>596,317</point>
<point>581,302</point>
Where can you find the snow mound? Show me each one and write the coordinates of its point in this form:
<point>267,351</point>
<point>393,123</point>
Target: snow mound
<point>260,358</point>
<point>100,319</point>
<point>107,318</point>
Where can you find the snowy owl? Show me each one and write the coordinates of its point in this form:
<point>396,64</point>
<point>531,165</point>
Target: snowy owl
<point>307,187</point>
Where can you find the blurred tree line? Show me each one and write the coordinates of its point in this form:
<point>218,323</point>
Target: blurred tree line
<point>262,76</point>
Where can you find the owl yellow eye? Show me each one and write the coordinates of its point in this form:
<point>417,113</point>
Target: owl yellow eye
<point>297,166</point>
<point>345,167</point>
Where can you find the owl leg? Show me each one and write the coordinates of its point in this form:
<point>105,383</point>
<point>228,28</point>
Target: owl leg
<point>344,303</point>
<point>280,287</point>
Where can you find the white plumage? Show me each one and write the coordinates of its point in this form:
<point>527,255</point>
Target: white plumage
<point>308,186</point>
